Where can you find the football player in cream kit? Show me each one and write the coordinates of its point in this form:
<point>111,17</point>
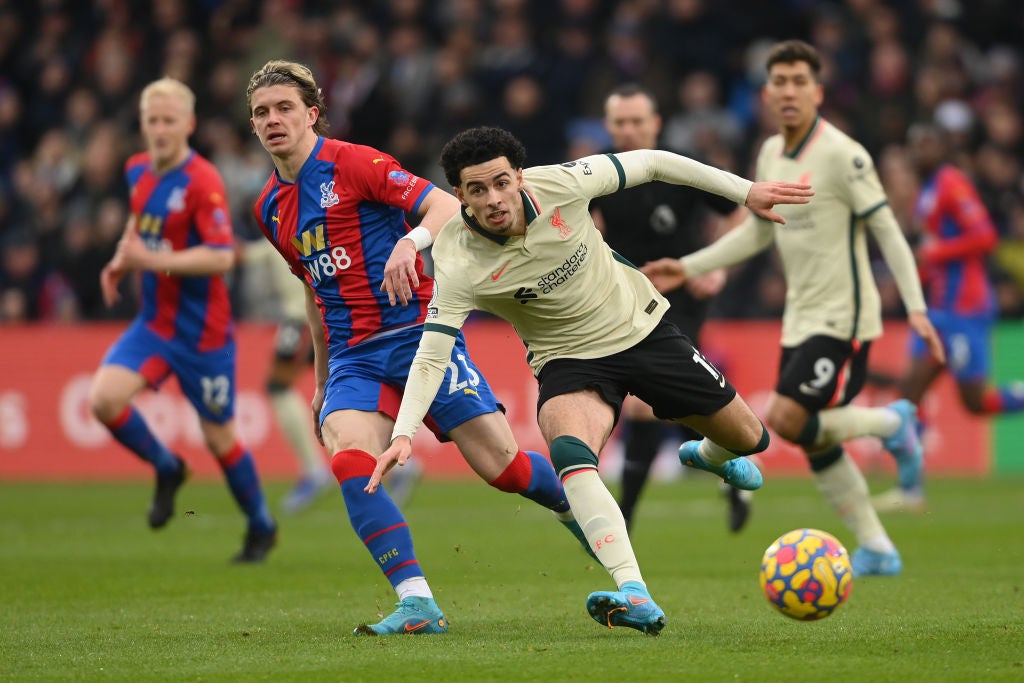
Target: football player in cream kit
<point>833,310</point>
<point>524,247</point>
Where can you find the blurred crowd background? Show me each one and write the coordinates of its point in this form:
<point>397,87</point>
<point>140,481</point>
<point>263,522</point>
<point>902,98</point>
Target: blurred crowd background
<point>405,75</point>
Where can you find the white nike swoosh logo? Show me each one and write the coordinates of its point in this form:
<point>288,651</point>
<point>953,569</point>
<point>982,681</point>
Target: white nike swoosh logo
<point>809,390</point>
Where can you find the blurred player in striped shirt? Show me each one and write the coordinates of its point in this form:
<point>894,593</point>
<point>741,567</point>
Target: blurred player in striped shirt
<point>179,240</point>
<point>958,236</point>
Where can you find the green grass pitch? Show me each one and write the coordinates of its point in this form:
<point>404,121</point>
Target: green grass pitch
<point>90,594</point>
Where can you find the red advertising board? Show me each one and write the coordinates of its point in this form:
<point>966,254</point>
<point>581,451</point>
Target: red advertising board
<point>48,432</point>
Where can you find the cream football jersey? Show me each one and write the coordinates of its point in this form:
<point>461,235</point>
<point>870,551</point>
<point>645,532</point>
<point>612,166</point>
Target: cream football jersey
<point>567,294</point>
<point>830,289</point>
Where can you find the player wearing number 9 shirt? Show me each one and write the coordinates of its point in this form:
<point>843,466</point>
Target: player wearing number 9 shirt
<point>833,310</point>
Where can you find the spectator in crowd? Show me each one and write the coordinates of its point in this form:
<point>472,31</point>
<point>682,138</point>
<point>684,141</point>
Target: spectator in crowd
<point>884,67</point>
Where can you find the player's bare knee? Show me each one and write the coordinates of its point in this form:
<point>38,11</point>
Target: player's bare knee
<point>779,426</point>
<point>105,407</point>
<point>489,461</point>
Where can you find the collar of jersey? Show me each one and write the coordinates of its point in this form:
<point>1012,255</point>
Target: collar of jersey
<point>305,164</point>
<point>529,207</point>
<point>149,165</point>
<point>803,143</point>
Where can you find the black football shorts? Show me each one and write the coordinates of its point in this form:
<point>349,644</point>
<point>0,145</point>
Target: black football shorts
<point>823,372</point>
<point>664,370</point>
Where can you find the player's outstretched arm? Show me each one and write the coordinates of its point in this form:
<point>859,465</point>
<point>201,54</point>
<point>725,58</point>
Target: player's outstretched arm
<point>425,376</point>
<point>645,165</point>
<point>739,244</point>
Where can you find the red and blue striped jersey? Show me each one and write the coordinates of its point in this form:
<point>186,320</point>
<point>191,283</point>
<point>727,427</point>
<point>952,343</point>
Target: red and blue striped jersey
<point>336,226</point>
<point>959,237</point>
<point>182,208</point>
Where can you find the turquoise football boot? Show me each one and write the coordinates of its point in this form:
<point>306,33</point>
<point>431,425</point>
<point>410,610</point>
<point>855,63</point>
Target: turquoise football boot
<point>414,616</point>
<point>867,562</point>
<point>739,472</point>
<point>905,445</point>
<point>631,607</point>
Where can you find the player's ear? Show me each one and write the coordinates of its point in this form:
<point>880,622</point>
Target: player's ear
<point>458,193</point>
<point>313,115</point>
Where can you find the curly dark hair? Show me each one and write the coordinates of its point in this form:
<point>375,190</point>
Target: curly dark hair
<point>478,145</point>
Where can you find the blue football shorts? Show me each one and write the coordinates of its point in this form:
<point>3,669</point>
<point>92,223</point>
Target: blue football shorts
<point>966,339</point>
<point>207,378</point>
<point>371,376</point>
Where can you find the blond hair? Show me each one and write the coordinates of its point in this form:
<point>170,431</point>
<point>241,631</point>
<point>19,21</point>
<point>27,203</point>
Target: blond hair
<point>170,87</point>
<point>299,76</point>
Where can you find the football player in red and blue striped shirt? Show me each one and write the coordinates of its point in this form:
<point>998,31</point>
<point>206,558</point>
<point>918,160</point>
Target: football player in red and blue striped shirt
<point>958,236</point>
<point>335,212</point>
<point>179,240</point>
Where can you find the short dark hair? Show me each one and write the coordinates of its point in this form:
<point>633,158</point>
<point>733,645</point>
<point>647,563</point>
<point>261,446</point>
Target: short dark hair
<point>478,145</point>
<point>792,51</point>
<point>633,90</point>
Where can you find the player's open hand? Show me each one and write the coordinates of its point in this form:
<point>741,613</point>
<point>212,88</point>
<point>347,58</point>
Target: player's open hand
<point>707,285</point>
<point>132,253</point>
<point>400,273</point>
<point>317,407</point>
<point>398,453</point>
<point>764,195</point>
<point>920,323</point>
<point>665,274</point>
<point>110,278</point>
